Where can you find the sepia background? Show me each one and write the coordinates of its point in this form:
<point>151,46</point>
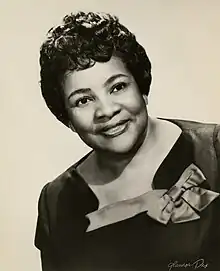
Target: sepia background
<point>182,39</point>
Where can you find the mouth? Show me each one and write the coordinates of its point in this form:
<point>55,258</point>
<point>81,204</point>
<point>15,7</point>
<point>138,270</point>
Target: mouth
<point>115,130</point>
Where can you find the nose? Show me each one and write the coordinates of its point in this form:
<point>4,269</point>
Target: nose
<point>106,109</point>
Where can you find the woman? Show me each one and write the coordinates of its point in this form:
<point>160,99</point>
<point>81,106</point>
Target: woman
<point>147,196</point>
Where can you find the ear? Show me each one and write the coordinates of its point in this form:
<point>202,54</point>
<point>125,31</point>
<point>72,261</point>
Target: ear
<point>145,99</point>
<point>71,126</point>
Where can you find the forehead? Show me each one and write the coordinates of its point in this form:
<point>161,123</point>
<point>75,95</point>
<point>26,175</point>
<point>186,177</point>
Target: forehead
<point>96,75</point>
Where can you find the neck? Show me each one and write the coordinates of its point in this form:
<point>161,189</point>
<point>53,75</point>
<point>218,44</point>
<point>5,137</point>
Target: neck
<point>112,165</point>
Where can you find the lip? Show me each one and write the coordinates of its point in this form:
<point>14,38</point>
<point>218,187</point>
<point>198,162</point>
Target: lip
<point>115,129</point>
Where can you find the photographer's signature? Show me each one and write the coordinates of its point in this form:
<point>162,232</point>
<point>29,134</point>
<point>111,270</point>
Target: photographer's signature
<point>200,263</point>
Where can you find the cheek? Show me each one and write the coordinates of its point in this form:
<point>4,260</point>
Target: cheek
<point>134,103</point>
<point>82,120</point>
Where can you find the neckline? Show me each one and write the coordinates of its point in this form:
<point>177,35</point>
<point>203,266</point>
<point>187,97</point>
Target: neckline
<point>167,173</point>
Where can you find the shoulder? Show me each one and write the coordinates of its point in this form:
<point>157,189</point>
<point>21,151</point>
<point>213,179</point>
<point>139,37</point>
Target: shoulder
<point>67,193</point>
<point>205,141</point>
<point>62,206</point>
<point>53,188</point>
<point>199,132</point>
<point>48,205</point>
<point>194,126</point>
<point>67,179</point>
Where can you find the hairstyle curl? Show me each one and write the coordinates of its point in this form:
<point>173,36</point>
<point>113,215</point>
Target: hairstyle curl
<point>78,43</point>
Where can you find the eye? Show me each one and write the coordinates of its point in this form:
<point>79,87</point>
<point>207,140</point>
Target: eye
<point>118,87</point>
<point>83,101</point>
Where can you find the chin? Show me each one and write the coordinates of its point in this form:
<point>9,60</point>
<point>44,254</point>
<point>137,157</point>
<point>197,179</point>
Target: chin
<point>120,146</point>
<point>123,150</point>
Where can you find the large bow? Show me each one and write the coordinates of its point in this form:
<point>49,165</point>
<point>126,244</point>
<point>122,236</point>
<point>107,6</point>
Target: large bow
<point>184,200</point>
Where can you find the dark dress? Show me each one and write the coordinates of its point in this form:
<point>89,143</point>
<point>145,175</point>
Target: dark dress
<point>139,242</point>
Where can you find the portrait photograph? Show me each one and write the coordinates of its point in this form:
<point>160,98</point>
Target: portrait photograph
<point>110,136</point>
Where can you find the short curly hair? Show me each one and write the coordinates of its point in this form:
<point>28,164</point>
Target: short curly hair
<point>78,43</point>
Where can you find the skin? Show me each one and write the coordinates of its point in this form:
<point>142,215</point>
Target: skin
<point>100,97</point>
<point>104,95</point>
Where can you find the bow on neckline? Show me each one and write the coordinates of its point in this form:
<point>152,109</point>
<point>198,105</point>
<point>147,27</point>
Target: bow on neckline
<point>181,203</point>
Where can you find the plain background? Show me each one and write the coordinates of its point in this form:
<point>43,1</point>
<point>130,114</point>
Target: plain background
<point>182,39</point>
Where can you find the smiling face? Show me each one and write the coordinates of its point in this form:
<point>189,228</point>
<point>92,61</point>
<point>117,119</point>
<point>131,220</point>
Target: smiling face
<point>105,107</point>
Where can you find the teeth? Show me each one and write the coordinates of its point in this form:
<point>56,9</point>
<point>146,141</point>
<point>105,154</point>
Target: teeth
<point>115,130</point>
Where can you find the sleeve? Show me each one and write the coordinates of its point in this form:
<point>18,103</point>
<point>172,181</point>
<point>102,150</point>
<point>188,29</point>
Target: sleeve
<point>42,235</point>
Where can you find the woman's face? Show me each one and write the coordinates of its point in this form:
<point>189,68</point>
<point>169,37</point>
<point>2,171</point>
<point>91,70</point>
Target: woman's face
<point>105,107</point>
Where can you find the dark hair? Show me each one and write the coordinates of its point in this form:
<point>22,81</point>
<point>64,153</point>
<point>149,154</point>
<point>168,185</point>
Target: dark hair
<point>78,43</point>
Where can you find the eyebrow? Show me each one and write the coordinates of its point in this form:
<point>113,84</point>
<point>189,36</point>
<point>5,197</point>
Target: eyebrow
<point>88,90</point>
<point>79,91</point>
<point>113,78</point>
